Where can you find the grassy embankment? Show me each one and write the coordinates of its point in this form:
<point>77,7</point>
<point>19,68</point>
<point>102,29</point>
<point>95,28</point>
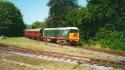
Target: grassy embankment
<point>38,45</point>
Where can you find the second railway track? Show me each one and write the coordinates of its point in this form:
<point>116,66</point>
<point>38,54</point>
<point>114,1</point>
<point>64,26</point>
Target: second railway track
<point>65,57</point>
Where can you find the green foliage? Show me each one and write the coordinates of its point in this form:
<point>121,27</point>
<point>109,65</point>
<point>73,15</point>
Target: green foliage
<point>101,21</point>
<point>81,18</point>
<point>38,24</point>
<point>109,18</point>
<point>11,22</point>
<point>58,10</point>
<point>110,38</point>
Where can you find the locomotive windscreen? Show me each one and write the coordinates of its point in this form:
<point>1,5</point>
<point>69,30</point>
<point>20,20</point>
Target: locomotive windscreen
<point>74,31</point>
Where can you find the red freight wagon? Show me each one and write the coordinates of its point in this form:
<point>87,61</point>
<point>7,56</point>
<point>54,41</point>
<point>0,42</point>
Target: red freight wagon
<point>32,33</point>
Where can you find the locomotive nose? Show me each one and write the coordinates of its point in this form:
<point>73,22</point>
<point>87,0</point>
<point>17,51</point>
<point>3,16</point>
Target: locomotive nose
<point>75,35</point>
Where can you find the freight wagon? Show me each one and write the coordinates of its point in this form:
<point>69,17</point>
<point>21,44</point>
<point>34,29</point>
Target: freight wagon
<point>64,35</point>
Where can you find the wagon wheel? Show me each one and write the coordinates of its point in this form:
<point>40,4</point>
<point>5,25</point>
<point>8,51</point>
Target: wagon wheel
<point>38,38</point>
<point>44,40</point>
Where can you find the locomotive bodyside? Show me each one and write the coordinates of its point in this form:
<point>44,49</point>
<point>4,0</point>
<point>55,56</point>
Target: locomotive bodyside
<point>62,35</point>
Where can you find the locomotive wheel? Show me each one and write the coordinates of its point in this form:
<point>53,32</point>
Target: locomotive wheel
<point>58,41</point>
<point>68,43</point>
<point>53,40</point>
<point>74,43</point>
<point>48,40</point>
<point>63,42</point>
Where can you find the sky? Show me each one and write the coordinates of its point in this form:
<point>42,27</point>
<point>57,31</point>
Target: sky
<point>36,10</point>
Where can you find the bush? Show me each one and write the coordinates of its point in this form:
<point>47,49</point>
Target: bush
<point>110,38</point>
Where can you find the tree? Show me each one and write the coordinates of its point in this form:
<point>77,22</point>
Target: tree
<point>100,13</point>
<point>38,24</point>
<point>11,22</point>
<point>107,12</point>
<point>101,21</point>
<point>80,18</point>
<point>108,16</point>
<point>58,10</point>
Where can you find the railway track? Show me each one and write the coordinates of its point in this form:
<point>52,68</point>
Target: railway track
<point>77,59</point>
<point>91,49</point>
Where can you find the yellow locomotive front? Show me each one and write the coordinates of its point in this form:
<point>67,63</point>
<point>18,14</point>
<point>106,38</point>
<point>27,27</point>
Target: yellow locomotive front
<point>74,36</point>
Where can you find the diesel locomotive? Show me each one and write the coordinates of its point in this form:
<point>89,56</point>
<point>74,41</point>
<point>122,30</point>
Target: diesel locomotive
<point>63,35</point>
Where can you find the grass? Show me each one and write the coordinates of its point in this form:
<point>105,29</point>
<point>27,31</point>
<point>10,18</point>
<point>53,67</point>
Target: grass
<point>38,45</point>
<point>10,66</point>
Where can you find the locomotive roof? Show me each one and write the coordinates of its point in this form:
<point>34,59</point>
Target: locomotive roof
<point>61,28</point>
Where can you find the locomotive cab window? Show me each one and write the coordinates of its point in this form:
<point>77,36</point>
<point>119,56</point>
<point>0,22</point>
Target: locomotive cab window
<point>65,32</point>
<point>74,31</point>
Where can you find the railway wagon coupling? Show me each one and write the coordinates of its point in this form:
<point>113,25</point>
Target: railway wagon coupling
<point>63,35</point>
